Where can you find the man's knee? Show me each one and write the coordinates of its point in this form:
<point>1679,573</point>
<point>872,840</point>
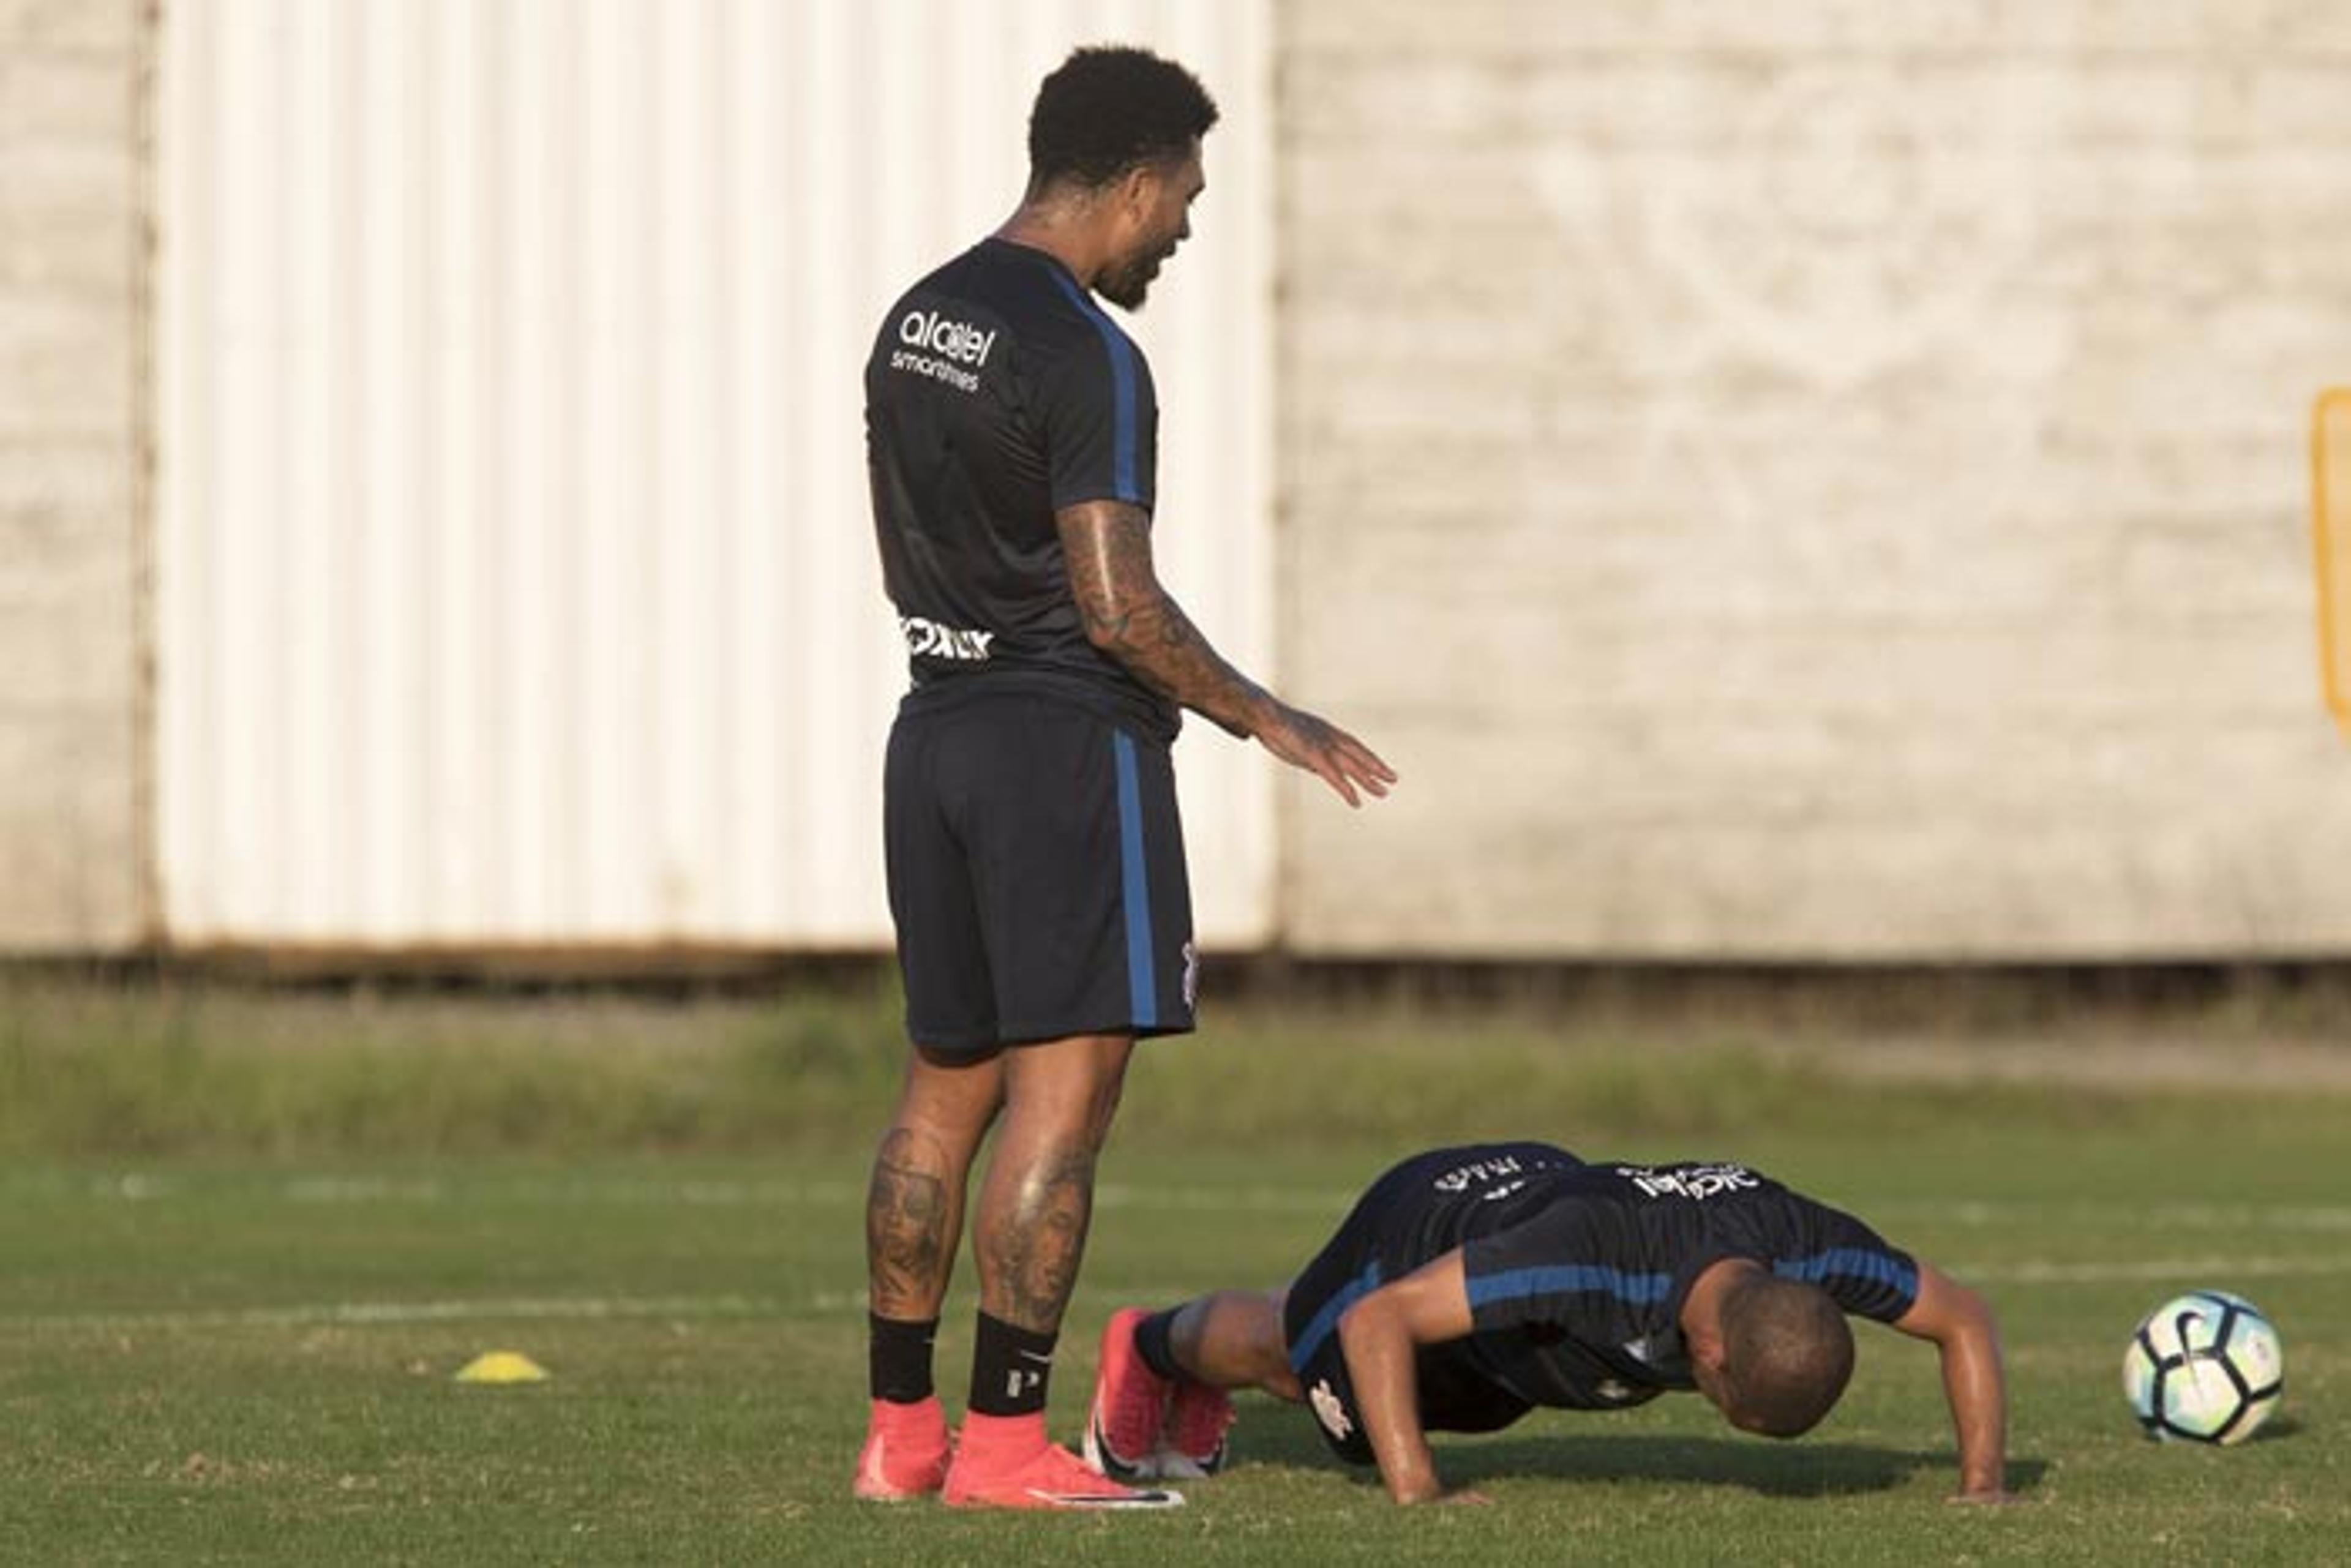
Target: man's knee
<point>1073,1084</point>
<point>956,1098</point>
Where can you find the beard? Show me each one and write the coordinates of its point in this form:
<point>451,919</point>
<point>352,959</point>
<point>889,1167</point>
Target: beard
<point>1129,282</point>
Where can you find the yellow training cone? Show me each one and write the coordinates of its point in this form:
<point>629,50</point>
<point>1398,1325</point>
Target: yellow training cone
<point>502,1366</point>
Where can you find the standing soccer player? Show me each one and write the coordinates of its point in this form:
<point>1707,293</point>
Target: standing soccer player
<point>1036,863</point>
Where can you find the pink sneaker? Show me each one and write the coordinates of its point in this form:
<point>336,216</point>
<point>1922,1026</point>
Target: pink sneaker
<point>1193,1445</point>
<point>905,1453</point>
<point>1006,1462</point>
<point>1130,1408</point>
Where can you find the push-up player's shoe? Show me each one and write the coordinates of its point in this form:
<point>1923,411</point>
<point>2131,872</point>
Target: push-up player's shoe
<point>1193,1446</point>
<point>905,1453</point>
<point>1006,1461</point>
<point>1129,1414</point>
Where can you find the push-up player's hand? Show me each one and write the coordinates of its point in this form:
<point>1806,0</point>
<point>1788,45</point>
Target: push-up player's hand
<point>1989,1497</point>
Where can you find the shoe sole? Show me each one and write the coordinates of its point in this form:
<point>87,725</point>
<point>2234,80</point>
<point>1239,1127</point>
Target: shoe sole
<point>1077,1502</point>
<point>1167,1465</point>
<point>872,1486</point>
<point>875,1490</point>
<point>1099,1455</point>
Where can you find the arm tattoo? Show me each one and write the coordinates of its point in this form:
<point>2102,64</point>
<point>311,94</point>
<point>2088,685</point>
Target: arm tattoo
<point>1127,615</point>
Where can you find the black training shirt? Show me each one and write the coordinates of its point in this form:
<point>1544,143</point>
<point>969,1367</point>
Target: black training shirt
<point>1576,1272</point>
<point>999,393</point>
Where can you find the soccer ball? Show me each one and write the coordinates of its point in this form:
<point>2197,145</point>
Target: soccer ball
<point>2205,1367</point>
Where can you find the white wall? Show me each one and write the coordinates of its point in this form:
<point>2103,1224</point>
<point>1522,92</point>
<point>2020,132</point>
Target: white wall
<point>73,834</point>
<point>1816,479</point>
<point>517,584</point>
<point>1812,480</point>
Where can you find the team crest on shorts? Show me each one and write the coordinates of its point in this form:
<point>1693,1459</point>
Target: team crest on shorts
<point>1328,1411</point>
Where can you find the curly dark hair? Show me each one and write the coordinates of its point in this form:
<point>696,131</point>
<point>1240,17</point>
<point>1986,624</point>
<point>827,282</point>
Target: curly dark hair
<point>1106,109</point>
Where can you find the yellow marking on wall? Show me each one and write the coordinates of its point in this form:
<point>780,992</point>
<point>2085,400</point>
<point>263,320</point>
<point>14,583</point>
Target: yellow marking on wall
<point>2330,534</point>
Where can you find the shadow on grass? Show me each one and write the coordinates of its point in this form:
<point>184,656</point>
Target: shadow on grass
<point>2276,1427</point>
<point>1825,1469</point>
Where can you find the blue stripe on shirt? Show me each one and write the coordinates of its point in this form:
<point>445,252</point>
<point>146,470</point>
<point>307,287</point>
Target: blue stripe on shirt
<point>1852,1263</point>
<point>1568,1279</point>
<point>1122,382</point>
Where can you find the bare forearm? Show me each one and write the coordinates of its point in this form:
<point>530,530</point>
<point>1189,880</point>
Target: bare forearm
<point>1966,1337</point>
<point>1974,1385</point>
<point>1128,616</point>
<point>1160,646</point>
<point>1379,1355</point>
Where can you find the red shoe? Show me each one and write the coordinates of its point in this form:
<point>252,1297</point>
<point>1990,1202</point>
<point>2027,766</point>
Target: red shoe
<point>1197,1420</point>
<point>1130,1407</point>
<point>905,1454</point>
<point>1005,1461</point>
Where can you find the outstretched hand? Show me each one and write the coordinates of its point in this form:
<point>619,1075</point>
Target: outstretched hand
<point>1321,748</point>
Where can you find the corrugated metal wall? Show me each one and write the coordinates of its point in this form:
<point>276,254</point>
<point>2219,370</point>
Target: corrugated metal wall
<point>517,581</point>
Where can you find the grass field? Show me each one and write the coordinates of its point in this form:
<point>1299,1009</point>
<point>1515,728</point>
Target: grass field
<point>233,1296</point>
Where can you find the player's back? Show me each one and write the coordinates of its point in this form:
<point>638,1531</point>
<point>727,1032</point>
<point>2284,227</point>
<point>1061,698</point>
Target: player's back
<point>997,394</point>
<point>1436,1200</point>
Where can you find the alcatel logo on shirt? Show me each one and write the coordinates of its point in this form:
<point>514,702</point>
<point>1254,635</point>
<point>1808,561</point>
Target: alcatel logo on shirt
<point>958,340</point>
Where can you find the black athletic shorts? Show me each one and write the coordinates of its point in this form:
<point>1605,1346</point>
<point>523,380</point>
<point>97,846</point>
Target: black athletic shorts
<point>1376,1243</point>
<point>1036,869</point>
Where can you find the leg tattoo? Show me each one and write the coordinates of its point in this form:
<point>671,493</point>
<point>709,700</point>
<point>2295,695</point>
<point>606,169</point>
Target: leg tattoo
<point>1035,1250</point>
<point>909,1227</point>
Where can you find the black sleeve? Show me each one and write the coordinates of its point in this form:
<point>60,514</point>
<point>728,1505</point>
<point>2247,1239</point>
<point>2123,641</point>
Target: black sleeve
<point>1100,416</point>
<point>1860,1269</point>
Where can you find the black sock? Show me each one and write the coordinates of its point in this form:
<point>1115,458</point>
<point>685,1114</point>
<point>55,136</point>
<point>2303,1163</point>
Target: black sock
<point>1152,1342</point>
<point>898,1359</point>
<point>1010,1368</point>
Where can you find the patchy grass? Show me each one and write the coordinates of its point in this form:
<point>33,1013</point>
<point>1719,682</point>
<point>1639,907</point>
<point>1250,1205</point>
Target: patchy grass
<point>252,1363</point>
<point>250,1234</point>
<point>196,1070</point>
